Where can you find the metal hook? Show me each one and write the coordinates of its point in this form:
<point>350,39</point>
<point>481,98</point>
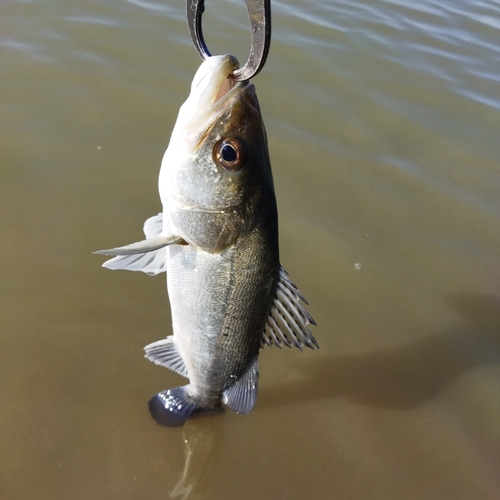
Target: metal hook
<point>259,12</point>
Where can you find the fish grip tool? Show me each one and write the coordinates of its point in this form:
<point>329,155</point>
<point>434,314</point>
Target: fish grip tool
<point>259,12</point>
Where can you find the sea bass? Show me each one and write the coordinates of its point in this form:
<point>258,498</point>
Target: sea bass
<point>217,239</point>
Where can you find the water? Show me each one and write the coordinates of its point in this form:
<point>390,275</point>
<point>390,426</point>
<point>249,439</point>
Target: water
<point>383,119</point>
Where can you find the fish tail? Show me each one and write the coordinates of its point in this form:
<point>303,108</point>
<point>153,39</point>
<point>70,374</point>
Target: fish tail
<point>173,407</point>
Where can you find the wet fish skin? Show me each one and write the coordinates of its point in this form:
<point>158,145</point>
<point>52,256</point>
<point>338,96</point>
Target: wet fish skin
<point>219,310</point>
<point>222,283</point>
<point>218,241</point>
<point>210,206</point>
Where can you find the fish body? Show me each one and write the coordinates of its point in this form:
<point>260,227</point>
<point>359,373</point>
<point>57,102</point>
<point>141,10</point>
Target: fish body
<point>217,239</point>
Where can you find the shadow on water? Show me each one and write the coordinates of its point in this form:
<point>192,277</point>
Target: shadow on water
<point>400,378</point>
<point>203,445</point>
<point>406,376</point>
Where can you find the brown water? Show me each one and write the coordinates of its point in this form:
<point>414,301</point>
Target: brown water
<point>384,125</point>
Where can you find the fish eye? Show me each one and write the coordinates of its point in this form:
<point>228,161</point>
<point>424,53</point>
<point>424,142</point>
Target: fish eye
<point>230,154</point>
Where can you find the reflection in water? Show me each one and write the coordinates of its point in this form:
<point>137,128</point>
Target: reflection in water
<point>203,445</point>
<point>406,376</point>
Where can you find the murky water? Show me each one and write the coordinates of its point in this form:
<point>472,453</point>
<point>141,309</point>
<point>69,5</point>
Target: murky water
<point>384,123</point>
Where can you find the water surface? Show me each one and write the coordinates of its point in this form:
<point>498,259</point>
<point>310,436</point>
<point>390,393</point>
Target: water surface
<point>383,120</point>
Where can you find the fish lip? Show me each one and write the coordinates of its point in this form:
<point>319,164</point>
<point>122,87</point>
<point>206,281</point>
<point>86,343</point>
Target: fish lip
<point>210,79</point>
<point>212,91</point>
<point>206,103</point>
<point>209,116</point>
<point>204,118</point>
<point>222,99</point>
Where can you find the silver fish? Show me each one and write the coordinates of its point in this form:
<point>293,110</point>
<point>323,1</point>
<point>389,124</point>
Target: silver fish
<point>217,239</point>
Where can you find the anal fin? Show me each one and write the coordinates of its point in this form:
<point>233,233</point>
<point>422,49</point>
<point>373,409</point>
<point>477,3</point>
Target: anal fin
<point>164,352</point>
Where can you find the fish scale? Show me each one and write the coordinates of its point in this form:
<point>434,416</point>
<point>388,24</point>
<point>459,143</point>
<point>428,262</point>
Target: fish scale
<point>217,239</point>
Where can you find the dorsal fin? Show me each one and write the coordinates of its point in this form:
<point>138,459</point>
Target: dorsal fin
<point>242,395</point>
<point>164,352</point>
<point>288,319</point>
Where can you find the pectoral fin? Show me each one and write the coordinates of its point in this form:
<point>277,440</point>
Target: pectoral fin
<point>143,246</point>
<point>242,395</point>
<point>148,256</point>
<point>288,319</point>
<point>153,226</point>
<point>151,263</point>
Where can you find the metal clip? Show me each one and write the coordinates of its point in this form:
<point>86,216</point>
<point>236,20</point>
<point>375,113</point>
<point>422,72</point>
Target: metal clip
<point>259,12</point>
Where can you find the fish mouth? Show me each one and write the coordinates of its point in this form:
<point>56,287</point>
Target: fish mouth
<point>212,91</point>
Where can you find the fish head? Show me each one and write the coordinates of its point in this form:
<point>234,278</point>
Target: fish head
<point>216,172</point>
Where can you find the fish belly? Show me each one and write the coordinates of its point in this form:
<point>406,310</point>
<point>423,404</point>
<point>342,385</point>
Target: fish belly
<point>220,303</point>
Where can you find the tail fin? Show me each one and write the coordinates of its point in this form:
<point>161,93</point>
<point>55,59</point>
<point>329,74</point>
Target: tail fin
<point>172,408</point>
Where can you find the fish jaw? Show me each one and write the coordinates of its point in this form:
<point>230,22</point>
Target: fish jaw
<point>209,206</point>
<point>210,91</point>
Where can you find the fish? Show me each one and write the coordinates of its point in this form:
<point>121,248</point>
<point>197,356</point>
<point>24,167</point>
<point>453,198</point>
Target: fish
<point>217,240</point>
